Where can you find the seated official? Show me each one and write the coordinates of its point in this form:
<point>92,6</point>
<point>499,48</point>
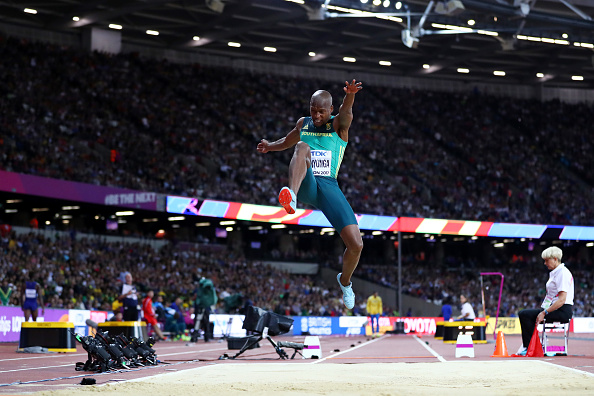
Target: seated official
<point>557,305</point>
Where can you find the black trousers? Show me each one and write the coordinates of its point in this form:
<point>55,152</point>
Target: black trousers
<point>130,313</point>
<point>202,321</point>
<point>528,320</point>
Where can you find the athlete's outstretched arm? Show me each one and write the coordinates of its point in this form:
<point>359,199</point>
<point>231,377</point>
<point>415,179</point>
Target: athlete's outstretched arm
<point>283,143</point>
<point>345,113</point>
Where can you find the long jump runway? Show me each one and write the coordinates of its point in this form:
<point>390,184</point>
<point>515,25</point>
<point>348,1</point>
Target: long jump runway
<point>390,365</point>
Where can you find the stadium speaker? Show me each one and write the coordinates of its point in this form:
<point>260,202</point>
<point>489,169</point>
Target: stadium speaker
<point>316,14</point>
<point>451,8</point>
<point>408,39</point>
<point>215,5</point>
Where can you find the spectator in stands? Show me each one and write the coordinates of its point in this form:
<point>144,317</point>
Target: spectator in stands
<point>5,292</point>
<point>177,307</point>
<point>428,277</point>
<point>117,308</point>
<point>433,165</point>
<point>149,314</point>
<point>189,316</point>
<point>174,326</point>
<point>159,309</point>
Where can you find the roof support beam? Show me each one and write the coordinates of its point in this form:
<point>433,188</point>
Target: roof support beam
<point>576,10</point>
<point>534,15</point>
<point>110,13</point>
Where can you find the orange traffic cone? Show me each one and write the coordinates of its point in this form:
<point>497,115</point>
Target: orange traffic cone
<point>500,346</point>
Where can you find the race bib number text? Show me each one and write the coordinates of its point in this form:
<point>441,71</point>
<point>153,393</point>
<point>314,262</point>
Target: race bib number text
<point>321,161</point>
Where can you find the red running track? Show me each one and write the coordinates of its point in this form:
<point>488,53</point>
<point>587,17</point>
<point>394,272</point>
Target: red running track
<point>25,373</point>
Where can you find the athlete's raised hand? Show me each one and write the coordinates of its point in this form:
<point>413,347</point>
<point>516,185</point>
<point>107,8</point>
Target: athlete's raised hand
<point>353,88</point>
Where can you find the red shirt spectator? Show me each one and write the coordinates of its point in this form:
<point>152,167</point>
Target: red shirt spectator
<point>147,309</point>
<point>149,314</point>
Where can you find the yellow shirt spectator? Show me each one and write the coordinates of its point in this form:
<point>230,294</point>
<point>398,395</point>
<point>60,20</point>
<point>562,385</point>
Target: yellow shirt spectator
<point>116,305</point>
<point>374,305</point>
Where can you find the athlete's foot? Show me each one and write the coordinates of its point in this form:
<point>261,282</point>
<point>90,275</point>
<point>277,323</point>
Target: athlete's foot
<point>288,200</point>
<point>348,296</point>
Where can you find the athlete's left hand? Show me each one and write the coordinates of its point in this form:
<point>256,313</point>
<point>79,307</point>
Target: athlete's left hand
<point>353,87</point>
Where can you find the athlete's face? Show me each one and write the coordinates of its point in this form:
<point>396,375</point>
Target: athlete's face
<point>320,114</point>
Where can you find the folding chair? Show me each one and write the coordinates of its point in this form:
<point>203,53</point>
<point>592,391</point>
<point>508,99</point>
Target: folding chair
<point>559,350</point>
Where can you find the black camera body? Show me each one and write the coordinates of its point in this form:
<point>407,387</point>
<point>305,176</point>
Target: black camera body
<point>128,350</point>
<point>106,353</point>
<point>145,350</point>
<point>99,359</point>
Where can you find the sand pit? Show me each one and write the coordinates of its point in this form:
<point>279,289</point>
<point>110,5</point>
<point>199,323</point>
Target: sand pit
<point>510,377</point>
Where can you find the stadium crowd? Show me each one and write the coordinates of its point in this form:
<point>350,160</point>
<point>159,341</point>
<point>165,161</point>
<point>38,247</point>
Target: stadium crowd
<point>87,274</point>
<point>189,130</point>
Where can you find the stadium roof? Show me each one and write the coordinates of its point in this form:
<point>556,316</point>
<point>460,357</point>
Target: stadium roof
<point>435,39</point>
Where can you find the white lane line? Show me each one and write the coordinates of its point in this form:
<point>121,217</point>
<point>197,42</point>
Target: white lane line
<point>52,355</point>
<point>185,353</point>
<point>431,351</point>
<point>70,364</point>
<point>36,368</point>
<point>143,379</point>
<point>348,350</point>
<point>567,368</point>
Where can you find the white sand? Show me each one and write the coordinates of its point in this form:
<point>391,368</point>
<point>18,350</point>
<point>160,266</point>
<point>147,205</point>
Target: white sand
<point>507,377</point>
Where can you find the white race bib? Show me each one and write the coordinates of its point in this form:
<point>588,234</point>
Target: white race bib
<point>30,293</point>
<point>321,161</point>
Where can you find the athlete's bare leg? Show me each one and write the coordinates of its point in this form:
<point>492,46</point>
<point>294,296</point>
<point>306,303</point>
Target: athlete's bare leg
<point>300,162</point>
<point>27,313</point>
<point>351,237</point>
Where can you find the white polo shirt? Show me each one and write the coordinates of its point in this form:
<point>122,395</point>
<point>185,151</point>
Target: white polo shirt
<point>126,288</point>
<point>560,279</point>
<point>467,308</point>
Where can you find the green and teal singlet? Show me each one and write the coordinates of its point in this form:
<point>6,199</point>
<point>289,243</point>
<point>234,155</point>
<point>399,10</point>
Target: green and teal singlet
<point>327,148</point>
<point>320,187</point>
